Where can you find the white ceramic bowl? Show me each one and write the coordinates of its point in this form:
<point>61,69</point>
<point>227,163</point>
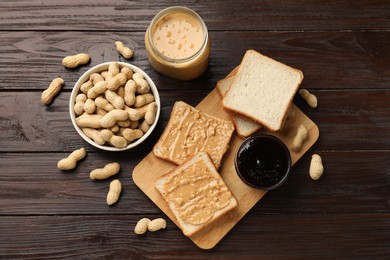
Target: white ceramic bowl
<point>97,69</point>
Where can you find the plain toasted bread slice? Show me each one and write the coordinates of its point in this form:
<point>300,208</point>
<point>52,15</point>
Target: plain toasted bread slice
<point>190,131</point>
<point>195,193</point>
<point>244,127</point>
<point>263,90</point>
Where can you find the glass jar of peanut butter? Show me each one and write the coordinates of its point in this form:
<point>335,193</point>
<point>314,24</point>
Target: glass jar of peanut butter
<point>178,44</point>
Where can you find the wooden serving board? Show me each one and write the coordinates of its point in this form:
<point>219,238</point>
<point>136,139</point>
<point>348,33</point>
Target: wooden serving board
<point>152,167</point>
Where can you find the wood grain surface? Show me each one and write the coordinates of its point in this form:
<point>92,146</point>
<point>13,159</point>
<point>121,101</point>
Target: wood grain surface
<point>329,60</point>
<point>89,15</point>
<point>341,46</point>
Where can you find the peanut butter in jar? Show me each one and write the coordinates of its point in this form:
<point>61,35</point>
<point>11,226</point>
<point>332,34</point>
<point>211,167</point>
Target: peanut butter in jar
<point>178,44</point>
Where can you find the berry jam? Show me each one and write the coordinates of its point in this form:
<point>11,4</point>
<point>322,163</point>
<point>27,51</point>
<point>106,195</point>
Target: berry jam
<point>263,162</point>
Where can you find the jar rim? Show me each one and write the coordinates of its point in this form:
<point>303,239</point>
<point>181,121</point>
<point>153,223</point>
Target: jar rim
<point>165,12</point>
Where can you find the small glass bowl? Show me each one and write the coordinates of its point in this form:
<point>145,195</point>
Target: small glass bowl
<point>263,162</point>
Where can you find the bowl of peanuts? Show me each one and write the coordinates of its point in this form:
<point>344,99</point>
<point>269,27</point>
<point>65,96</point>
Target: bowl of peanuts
<point>114,106</point>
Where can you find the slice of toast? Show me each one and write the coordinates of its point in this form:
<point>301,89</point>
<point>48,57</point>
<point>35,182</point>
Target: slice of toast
<point>262,90</point>
<point>196,193</point>
<point>244,127</point>
<point>190,131</point>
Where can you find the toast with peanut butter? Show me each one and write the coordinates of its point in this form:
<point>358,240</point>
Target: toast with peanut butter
<point>196,193</point>
<point>190,131</point>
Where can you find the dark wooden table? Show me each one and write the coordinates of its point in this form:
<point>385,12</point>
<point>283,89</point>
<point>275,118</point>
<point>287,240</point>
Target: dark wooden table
<point>343,48</point>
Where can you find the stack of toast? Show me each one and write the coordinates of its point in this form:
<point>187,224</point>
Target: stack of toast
<point>259,93</point>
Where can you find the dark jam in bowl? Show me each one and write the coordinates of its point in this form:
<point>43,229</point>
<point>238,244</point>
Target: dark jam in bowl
<point>263,162</point>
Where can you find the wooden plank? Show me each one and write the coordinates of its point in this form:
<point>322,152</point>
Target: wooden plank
<point>306,236</point>
<point>30,183</point>
<point>342,47</point>
<point>329,60</point>
<point>123,15</point>
<point>348,120</point>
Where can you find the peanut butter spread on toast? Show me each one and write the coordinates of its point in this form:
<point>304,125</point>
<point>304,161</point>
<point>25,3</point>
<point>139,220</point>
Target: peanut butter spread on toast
<point>196,193</point>
<point>190,131</point>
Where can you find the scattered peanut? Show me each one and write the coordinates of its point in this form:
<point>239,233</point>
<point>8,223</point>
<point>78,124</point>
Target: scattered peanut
<point>157,224</point>
<point>316,168</point>
<point>142,226</point>
<point>70,162</point>
<point>53,89</point>
<point>146,224</point>
<point>114,192</point>
<point>299,138</point>
<point>125,51</point>
<point>79,106</point>
<point>103,173</point>
<point>309,98</point>
<point>71,62</point>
